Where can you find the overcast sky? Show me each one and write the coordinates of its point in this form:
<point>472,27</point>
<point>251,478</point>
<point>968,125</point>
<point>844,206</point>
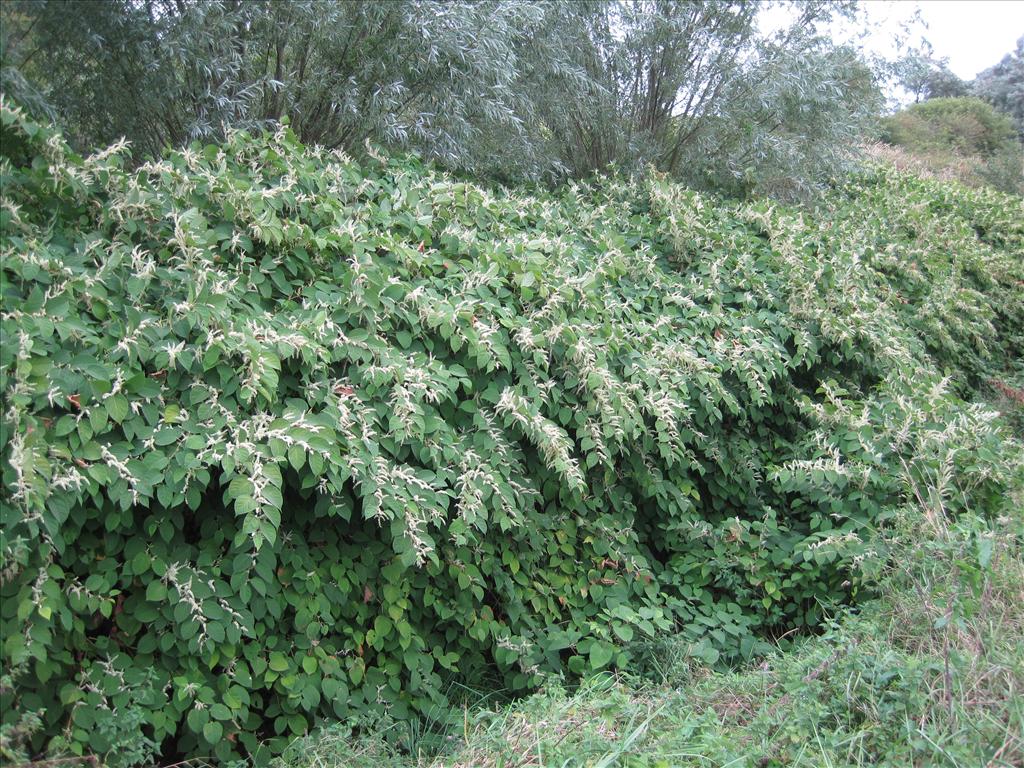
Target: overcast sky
<point>972,34</point>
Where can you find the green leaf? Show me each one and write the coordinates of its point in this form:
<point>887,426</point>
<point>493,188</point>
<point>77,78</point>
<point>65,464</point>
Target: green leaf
<point>212,732</point>
<point>197,719</point>
<point>155,591</point>
<point>117,407</point>
<point>297,457</point>
<point>600,654</point>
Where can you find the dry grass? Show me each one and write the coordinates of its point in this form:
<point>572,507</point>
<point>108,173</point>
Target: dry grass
<point>941,166</point>
<point>1004,172</point>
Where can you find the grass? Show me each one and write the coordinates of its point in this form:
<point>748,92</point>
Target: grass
<point>929,673</point>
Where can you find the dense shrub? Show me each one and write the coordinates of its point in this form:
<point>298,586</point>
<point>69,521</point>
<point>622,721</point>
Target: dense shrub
<point>966,125</point>
<point>288,438</point>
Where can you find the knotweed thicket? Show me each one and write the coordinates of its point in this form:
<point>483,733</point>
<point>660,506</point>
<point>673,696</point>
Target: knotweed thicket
<point>286,438</point>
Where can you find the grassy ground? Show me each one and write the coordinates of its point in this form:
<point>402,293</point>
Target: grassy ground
<point>929,673</point>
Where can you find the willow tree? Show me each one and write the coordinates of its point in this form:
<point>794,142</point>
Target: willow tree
<point>508,88</point>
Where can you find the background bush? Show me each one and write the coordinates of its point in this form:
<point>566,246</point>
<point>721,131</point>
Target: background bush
<point>969,126</point>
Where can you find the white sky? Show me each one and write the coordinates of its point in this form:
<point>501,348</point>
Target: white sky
<point>972,34</point>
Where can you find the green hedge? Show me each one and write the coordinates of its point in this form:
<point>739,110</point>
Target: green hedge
<point>965,125</point>
<point>287,439</point>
